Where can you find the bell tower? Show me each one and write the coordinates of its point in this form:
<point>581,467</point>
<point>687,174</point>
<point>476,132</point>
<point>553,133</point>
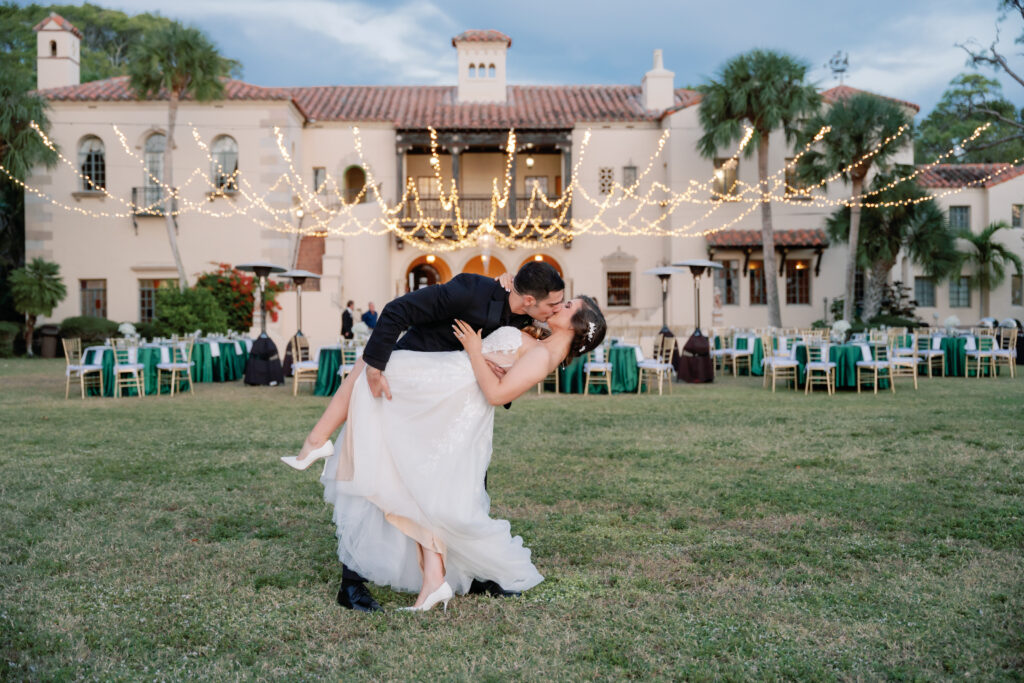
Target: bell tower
<point>57,52</point>
<point>481,62</point>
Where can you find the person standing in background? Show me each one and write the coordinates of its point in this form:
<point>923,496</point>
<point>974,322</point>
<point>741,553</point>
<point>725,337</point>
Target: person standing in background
<point>347,319</point>
<point>370,317</point>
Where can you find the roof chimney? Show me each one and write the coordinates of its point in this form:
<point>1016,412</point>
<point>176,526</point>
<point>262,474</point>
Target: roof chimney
<point>658,86</point>
<point>57,46</point>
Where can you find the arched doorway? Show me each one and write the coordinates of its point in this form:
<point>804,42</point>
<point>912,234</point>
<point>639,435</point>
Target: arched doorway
<point>355,179</point>
<point>546,259</point>
<point>476,266</point>
<point>426,270</point>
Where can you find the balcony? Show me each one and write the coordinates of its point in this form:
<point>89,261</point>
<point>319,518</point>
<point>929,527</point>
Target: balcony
<point>475,210</point>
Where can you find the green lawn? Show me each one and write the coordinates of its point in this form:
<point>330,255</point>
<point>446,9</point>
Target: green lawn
<point>721,532</point>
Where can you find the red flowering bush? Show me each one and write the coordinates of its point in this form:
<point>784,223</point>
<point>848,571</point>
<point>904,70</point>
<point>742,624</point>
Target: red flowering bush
<point>235,292</point>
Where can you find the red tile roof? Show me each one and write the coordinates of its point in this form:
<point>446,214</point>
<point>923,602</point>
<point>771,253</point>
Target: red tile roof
<point>482,36</point>
<point>416,107</point>
<point>841,92</point>
<point>783,238</point>
<point>61,21</point>
<point>968,175</point>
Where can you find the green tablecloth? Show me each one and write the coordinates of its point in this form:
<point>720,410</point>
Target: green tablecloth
<point>148,356</point>
<point>845,356</point>
<point>755,359</point>
<point>226,367</point>
<point>624,373</point>
<point>955,359</point>
<point>327,379</point>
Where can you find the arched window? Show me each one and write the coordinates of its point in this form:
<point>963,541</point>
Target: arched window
<point>481,71</point>
<point>224,168</point>
<point>355,179</point>
<point>472,70</point>
<point>53,48</point>
<point>491,71</point>
<point>92,164</point>
<point>155,145</point>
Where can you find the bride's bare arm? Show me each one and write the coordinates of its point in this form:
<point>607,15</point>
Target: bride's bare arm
<point>529,369</point>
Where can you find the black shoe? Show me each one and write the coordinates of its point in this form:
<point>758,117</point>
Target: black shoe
<point>491,588</point>
<point>354,595</point>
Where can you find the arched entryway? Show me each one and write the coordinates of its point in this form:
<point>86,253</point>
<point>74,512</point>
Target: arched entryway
<point>355,179</point>
<point>546,259</point>
<point>426,270</point>
<point>475,265</point>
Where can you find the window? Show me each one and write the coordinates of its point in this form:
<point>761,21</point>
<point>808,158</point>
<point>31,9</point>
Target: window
<point>491,71</point>
<point>798,282</point>
<point>605,179</point>
<point>154,158</point>
<point>725,178</point>
<point>472,70</point>
<point>94,298</point>
<point>727,281</point>
<point>960,217</point>
<point>758,294</point>
<point>92,164</point>
<point>355,181</point>
<point>147,297</point>
<point>628,175</point>
<point>795,188</point>
<point>619,289</point>
<point>924,291</point>
<point>960,293</point>
<point>320,180</point>
<point>224,151</point>
<point>428,186</point>
<point>1016,220</point>
<point>538,181</point>
<point>1016,291</point>
<point>53,48</point>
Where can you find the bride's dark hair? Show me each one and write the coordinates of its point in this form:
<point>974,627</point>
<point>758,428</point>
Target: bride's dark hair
<point>589,326</point>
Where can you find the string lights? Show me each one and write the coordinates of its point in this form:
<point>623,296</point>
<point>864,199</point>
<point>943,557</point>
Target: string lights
<point>642,208</point>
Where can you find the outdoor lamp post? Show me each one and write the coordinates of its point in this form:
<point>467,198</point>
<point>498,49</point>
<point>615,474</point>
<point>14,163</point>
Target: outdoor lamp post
<point>262,269</point>
<point>697,267</point>
<point>663,273</point>
<point>299,277</point>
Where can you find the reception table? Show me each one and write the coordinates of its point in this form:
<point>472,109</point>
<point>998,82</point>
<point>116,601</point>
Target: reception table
<point>624,373</point>
<point>214,361</point>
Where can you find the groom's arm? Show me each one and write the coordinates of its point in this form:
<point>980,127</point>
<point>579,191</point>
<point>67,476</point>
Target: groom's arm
<point>424,306</point>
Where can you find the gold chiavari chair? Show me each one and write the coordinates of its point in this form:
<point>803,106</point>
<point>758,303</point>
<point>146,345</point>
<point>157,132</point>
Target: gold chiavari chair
<point>304,369</point>
<point>76,368</point>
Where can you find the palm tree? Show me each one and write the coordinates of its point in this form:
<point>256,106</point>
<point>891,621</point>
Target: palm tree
<point>174,62</point>
<point>916,228</point>
<point>859,124</point>
<point>988,259</point>
<point>766,90</point>
<point>36,289</point>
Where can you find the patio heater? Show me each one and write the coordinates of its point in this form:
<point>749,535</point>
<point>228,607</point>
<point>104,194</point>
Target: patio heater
<point>663,273</point>
<point>697,366</point>
<point>263,365</point>
<point>298,277</point>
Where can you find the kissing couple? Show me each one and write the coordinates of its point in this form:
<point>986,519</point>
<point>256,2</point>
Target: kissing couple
<point>407,476</point>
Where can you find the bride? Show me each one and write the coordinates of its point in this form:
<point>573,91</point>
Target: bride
<point>407,476</point>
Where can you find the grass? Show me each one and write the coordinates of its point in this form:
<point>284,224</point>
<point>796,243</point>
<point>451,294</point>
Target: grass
<point>721,532</point>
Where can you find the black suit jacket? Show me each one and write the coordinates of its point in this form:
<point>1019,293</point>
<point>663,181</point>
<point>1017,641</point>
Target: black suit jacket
<point>426,317</point>
<point>346,324</point>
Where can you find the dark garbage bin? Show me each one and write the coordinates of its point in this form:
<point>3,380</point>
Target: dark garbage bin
<point>46,337</point>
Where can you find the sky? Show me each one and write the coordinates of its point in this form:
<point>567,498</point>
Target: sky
<point>900,48</point>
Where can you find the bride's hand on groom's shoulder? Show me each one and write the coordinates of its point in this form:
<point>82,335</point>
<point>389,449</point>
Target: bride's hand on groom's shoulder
<point>470,339</point>
<point>505,280</point>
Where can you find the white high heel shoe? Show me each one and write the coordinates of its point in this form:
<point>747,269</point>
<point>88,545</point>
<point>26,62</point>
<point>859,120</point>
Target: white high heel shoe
<point>324,451</point>
<point>443,594</point>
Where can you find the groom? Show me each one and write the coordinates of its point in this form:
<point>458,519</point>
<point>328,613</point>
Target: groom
<point>426,317</point>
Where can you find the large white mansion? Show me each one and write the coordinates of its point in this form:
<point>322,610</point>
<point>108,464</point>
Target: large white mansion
<point>113,264</point>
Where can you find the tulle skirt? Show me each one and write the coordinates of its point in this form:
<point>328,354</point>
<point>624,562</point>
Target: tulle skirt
<point>412,470</point>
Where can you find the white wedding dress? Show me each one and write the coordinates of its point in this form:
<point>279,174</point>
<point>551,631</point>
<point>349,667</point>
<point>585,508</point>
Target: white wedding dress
<point>412,469</point>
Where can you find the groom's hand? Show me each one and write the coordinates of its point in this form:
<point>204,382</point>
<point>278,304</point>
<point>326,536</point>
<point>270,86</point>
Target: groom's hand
<point>378,383</point>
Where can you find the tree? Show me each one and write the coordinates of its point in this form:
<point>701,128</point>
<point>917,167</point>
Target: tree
<point>37,289</point>
<point>767,90</point>
<point>916,228</point>
<point>176,62</point>
<point>956,117</point>
<point>988,260</point>
<point>859,123</point>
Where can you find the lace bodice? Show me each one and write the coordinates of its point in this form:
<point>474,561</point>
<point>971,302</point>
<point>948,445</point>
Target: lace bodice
<point>500,346</point>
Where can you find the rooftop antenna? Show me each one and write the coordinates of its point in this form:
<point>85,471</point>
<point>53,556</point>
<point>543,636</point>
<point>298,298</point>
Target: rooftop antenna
<point>839,63</point>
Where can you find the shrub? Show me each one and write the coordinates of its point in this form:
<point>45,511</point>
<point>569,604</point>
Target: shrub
<point>8,333</point>
<point>148,330</point>
<point>184,312</point>
<point>89,329</point>
<point>234,291</point>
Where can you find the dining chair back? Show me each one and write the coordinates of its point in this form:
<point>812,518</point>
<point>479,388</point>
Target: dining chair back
<point>88,375</point>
